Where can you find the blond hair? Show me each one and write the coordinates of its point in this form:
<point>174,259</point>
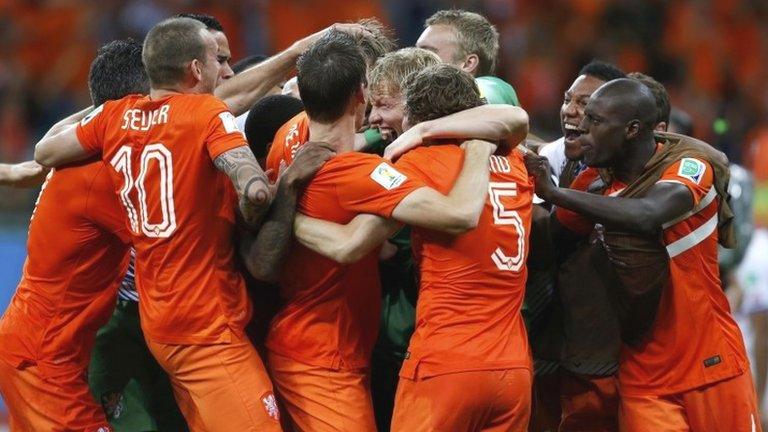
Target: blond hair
<point>475,34</point>
<point>390,72</point>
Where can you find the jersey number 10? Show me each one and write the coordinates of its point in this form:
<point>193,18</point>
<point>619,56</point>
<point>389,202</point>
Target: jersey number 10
<point>164,163</point>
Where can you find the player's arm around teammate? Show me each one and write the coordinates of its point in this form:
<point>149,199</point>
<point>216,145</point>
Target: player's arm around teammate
<point>487,122</point>
<point>456,213</point>
<point>264,253</point>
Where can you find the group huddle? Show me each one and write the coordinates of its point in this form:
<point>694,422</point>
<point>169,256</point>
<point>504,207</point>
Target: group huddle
<point>280,239</point>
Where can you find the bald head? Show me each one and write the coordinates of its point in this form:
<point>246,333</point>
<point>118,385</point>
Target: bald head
<point>629,100</point>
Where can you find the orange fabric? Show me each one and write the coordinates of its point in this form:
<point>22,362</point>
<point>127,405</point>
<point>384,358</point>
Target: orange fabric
<point>676,355</point>
<point>221,387</point>
<point>570,219</point>
<point>38,404</point>
<point>331,313</point>
<point>77,255</point>
<point>190,290</point>
<point>292,135</point>
<point>318,399</point>
<point>589,403</point>
<point>451,402</point>
<point>729,405</point>
<point>468,316</point>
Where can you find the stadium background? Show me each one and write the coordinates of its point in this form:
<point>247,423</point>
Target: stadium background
<point>711,55</point>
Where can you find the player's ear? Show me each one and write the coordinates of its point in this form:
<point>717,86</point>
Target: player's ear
<point>632,129</point>
<point>360,94</point>
<point>471,62</point>
<point>660,127</point>
<point>196,67</point>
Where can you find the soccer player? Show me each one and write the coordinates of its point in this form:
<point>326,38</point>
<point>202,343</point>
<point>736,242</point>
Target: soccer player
<point>469,41</point>
<point>466,370</point>
<point>679,377</point>
<point>320,342</point>
<point>167,153</point>
<point>69,284</point>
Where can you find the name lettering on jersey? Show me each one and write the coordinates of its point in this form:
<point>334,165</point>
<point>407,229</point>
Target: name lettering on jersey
<point>139,120</point>
<point>500,164</point>
<point>385,175</point>
<point>692,169</point>
<point>91,115</point>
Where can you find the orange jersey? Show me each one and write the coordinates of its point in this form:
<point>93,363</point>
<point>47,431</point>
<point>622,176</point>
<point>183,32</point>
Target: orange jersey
<point>331,314</point>
<point>468,316</point>
<point>180,211</point>
<point>77,255</point>
<point>292,135</point>
<point>694,340</point>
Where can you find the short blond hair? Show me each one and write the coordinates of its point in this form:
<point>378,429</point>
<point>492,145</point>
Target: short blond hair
<point>376,41</point>
<point>390,72</point>
<point>475,34</point>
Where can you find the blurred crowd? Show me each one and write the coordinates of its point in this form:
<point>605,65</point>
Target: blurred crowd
<point>711,54</point>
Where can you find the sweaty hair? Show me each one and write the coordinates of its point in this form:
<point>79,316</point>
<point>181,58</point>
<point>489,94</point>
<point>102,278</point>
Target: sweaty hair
<point>169,46</point>
<point>475,34</point>
<point>247,62</point>
<point>329,74</point>
<point>602,70</point>
<point>210,22</point>
<point>266,117</point>
<point>438,91</point>
<point>659,93</point>
<point>377,41</point>
<point>389,74</point>
<point>117,72</point>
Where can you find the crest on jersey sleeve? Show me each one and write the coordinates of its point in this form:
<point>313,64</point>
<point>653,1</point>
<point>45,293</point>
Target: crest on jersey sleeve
<point>387,176</point>
<point>692,169</point>
<point>229,122</point>
<point>270,406</point>
<point>91,115</point>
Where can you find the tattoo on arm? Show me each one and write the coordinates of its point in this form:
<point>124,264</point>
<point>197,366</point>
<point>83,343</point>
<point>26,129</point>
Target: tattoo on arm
<point>249,180</point>
<point>265,253</point>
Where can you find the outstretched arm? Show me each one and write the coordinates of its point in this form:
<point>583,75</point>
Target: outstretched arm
<point>344,243</point>
<point>486,122</point>
<point>264,253</point>
<point>458,212</point>
<point>243,90</point>
<point>60,144</point>
<point>22,175</point>
<point>662,203</point>
<point>250,182</point>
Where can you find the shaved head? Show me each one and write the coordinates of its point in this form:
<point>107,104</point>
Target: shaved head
<point>630,100</point>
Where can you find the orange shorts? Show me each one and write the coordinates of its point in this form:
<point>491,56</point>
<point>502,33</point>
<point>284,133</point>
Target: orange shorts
<point>222,387</point>
<point>729,405</point>
<point>319,399</point>
<point>589,402</point>
<point>60,403</point>
<point>498,400</point>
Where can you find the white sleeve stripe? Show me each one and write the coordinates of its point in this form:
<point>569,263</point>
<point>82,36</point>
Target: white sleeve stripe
<point>707,200</point>
<point>693,238</point>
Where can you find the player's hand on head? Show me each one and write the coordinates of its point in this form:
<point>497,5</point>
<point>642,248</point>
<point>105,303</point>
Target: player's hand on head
<point>409,140</point>
<point>308,160</point>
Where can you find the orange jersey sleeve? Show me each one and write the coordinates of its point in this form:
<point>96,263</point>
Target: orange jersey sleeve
<point>222,132</point>
<point>694,174</point>
<point>91,129</point>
